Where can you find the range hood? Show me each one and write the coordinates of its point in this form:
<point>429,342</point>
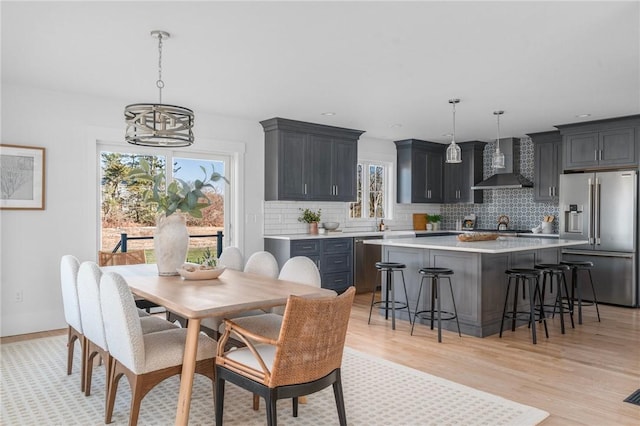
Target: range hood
<point>510,176</point>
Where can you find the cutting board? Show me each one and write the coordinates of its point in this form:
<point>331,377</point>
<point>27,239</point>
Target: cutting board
<point>420,221</point>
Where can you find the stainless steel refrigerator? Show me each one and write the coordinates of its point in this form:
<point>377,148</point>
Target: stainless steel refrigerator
<point>602,208</point>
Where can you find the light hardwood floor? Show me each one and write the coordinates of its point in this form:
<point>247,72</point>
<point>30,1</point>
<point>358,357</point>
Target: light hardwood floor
<point>581,378</point>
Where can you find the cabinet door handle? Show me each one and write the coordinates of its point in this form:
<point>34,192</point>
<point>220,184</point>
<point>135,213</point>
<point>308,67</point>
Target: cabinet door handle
<point>305,189</point>
<point>551,191</point>
<point>600,155</point>
<point>428,193</point>
<point>595,155</point>
<point>336,192</point>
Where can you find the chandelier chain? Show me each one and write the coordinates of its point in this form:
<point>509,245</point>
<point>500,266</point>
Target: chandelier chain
<point>160,83</point>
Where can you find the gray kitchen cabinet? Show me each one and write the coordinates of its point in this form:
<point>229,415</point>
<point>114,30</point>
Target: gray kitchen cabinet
<point>307,161</point>
<point>333,256</point>
<point>601,144</point>
<point>460,177</point>
<point>547,165</point>
<point>420,171</point>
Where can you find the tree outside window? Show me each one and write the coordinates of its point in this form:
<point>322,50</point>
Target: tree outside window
<point>372,191</point>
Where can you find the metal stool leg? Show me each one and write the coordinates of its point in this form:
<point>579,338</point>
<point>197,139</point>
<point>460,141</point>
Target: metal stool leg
<point>415,316</point>
<point>390,288</point>
<point>406,295</point>
<point>532,312</point>
<point>543,318</point>
<point>593,290</point>
<point>504,309</point>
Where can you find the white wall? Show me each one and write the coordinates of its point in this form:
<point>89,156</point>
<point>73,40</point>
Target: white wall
<point>32,242</point>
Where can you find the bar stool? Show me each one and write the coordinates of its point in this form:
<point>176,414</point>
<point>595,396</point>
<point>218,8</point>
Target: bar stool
<point>555,270</point>
<point>528,278</point>
<point>576,266</point>
<point>389,303</point>
<point>434,275</point>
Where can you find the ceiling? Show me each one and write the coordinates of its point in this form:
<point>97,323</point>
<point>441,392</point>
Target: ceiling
<point>388,68</point>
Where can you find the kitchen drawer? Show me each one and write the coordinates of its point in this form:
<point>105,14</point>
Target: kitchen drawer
<point>338,245</point>
<point>337,262</point>
<point>305,247</point>
<point>338,281</point>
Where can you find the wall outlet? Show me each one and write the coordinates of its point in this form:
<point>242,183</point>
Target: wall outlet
<point>19,297</point>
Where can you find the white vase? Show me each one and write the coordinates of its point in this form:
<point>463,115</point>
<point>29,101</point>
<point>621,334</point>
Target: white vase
<point>171,242</point>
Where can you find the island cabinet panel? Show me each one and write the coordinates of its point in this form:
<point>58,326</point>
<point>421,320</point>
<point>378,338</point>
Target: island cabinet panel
<point>332,256</point>
<point>601,144</point>
<point>307,161</point>
<point>420,171</point>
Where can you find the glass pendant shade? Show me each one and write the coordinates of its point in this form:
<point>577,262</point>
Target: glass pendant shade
<point>454,154</point>
<point>158,124</point>
<point>498,156</point>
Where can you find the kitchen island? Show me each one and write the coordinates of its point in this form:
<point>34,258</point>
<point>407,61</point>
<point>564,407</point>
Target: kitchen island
<point>479,281</point>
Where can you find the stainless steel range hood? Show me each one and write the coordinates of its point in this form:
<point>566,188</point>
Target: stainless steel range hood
<point>510,176</point>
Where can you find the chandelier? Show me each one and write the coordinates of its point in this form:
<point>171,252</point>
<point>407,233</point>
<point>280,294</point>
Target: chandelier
<point>159,125</point>
<point>498,156</point>
<point>454,154</point>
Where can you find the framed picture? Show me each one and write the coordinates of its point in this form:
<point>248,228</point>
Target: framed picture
<point>469,222</point>
<point>21,177</point>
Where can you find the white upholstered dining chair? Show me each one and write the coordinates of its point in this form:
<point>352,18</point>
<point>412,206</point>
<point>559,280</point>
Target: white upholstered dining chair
<point>145,359</point>
<point>232,258</point>
<point>69,266</point>
<point>91,314</point>
<point>260,263</point>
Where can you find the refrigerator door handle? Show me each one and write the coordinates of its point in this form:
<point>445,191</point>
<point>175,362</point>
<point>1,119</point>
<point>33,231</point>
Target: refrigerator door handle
<point>590,217</point>
<point>596,210</point>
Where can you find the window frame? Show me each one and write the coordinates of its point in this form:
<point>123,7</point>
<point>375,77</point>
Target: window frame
<point>387,191</point>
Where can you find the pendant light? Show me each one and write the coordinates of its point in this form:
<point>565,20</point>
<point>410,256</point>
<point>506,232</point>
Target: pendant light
<point>454,154</point>
<point>159,125</point>
<point>498,156</point>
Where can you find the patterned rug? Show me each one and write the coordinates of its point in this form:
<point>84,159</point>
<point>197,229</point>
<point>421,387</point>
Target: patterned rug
<point>36,391</point>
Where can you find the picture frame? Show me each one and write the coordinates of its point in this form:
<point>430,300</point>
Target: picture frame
<point>22,177</point>
<point>469,222</point>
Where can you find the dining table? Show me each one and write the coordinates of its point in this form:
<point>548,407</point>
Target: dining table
<point>231,293</point>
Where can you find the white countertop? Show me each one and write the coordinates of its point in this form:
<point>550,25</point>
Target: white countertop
<point>385,234</point>
<point>501,245</point>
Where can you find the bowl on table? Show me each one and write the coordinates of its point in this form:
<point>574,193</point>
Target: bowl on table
<point>196,272</point>
<point>331,226</point>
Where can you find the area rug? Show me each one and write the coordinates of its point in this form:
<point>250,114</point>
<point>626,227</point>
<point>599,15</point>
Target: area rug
<point>36,391</point>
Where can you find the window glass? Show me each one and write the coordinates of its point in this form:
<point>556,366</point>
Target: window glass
<point>372,192</point>
<point>123,210</point>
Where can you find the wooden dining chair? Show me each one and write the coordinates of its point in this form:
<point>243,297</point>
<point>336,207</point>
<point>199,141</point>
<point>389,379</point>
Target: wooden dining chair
<point>145,359</point>
<point>299,269</point>
<point>305,359</point>
<point>69,266</point>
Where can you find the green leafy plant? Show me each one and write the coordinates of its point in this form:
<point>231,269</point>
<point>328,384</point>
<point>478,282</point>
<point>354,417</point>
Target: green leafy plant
<point>208,258</point>
<point>309,216</point>
<point>433,218</point>
<point>179,195</point>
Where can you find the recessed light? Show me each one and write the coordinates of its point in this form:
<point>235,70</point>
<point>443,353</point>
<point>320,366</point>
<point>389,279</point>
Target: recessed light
<point>396,126</point>
<point>328,113</point>
<point>583,115</point>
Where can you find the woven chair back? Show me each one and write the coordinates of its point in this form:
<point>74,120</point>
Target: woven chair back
<point>311,339</point>
<point>132,257</point>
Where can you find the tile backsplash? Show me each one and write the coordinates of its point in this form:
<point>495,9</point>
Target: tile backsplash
<point>281,217</point>
<point>518,204</point>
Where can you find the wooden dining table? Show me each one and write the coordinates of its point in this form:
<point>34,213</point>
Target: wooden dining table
<point>231,293</point>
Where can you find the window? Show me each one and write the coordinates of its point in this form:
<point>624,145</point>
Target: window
<point>373,198</point>
<point>123,210</point>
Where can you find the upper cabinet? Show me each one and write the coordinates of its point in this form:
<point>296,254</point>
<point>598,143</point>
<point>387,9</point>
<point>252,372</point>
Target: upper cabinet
<point>307,161</point>
<point>601,144</point>
<point>420,171</point>
<point>547,165</point>
<point>460,177</point>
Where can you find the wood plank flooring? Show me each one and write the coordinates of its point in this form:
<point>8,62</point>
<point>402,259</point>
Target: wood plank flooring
<point>581,378</point>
